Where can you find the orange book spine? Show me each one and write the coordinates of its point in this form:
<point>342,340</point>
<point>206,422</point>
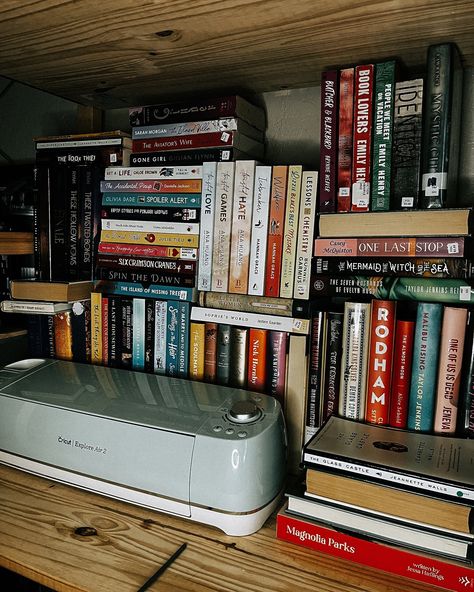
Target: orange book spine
<point>257,363</point>
<point>275,230</point>
<point>63,335</point>
<point>449,369</point>
<point>382,334</point>
<point>210,352</point>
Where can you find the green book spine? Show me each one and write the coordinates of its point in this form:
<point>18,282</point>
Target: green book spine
<point>424,367</point>
<point>384,98</point>
<point>441,126</point>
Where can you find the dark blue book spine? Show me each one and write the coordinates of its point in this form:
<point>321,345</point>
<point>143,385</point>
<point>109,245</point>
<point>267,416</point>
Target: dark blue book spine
<point>172,339</point>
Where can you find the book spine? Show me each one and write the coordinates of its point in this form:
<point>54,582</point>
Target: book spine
<point>424,366</point>
<point>165,130</point>
<point>189,142</point>
<point>440,136</point>
<point>115,331</point>
<point>316,374</point>
<point>328,141</point>
<point>150,291</point>
<point>87,223</point>
<point>63,335</point>
<point>257,360</point>
<point>196,350</point>
<point>144,277</point>
<point>345,133</point>
<point>449,291</point>
<point>382,333</point>
<point>210,352</point>
<point>163,264</point>
<point>138,334</point>
<point>293,200</point>
<point>159,360</point>
<point>305,234</point>
<point>401,373</point>
<point>384,98</point>
<point>406,147</point>
<point>332,363</point>
<point>183,339</point>
<point>355,346</point>
<point>149,226</point>
<point>429,267</point>
<point>153,190</point>
<point>275,230</point>
<point>184,174</point>
<point>151,214</point>
<point>182,253</point>
<point>449,370</point>
<point>389,558</point>
<point>284,307</point>
<point>96,328</point>
<point>126,346</point>
<point>466,407</point>
<point>362,137</point>
<point>74,233</point>
<point>146,238</point>
<point>101,156</point>
<point>206,237</point>
<point>59,212</point>
<point>105,330</point>
<point>259,232</point>
<point>197,156</point>
<point>172,339</point>
<point>276,365</point>
<point>242,206</point>
<point>38,341</point>
<point>223,354</point>
<point>148,201</point>
<point>238,362</point>
<point>225,177</point>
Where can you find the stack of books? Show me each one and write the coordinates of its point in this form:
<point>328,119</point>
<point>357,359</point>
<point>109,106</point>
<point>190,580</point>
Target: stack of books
<point>191,132</point>
<point>395,500</point>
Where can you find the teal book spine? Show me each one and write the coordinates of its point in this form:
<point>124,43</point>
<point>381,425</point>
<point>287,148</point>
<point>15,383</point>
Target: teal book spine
<point>421,403</point>
<point>172,339</point>
<point>384,99</point>
<point>183,339</point>
<point>138,334</point>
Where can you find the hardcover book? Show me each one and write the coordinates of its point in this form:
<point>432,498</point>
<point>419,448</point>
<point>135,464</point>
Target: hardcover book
<point>194,156</point>
<point>259,234</point>
<point>50,291</point>
<point>222,226</point>
<point>284,307</point>
<point>276,364</point>
<point>196,350</point>
<point>290,230</point>
<point>238,356</point>
<point>305,235</point>
<point>275,230</point>
<point>317,370</point>
<point>401,373</point>
<point>328,141</point>
<point>466,395</point>
<point>332,363</point>
<point>257,360</point>
<point>210,352</point>
<point>345,132</point>
<point>223,354</point>
<point>224,124</point>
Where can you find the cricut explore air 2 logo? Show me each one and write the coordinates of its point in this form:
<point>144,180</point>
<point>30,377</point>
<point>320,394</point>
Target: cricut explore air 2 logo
<point>81,446</point>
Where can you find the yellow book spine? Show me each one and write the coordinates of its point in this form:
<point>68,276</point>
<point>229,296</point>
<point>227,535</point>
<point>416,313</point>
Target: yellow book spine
<point>150,238</point>
<point>96,328</point>
<point>196,351</point>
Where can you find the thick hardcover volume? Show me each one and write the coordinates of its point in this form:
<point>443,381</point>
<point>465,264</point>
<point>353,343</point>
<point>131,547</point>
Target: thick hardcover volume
<point>406,146</point>
<point>222,226</point>
<point>449,291</point>
<point>241,226</point>
<point>424,366</point>
<point>96,328</point>
<point>156,174</point>
<point>442,116</point>
<point>138,334</point>
<point>305,235</point>
<point>328,141</point>
<point>362,137</point>
<point>355,349</point>
<point>344,155</point>
<point>401,373</point>
<point>316,374</point>
<point>332,363</point>
<point>466,395</point>
<point>119,249</point>
<point>443,573</point>
<point>288,256</point>
<point>427,463</point>
<point>206,234</point>
<point>238,357</point>
<point>210,352</point>
<point>161,317</point>
<point>379,372</point>
<point>452,246</point>
<point>63,335</point>
<point>284,307</point>
<point>201,109</point>
<point>196,350</point>
<point>382,135</point>
<point>223,354</point>
<point>258,244</point>
<point>449,369</point>
<point>257,360</point>
<point>428,267</point>
<point>276,364</point>
<point>275,230</point>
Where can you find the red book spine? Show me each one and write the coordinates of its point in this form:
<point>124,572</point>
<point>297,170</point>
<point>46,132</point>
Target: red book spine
<point>382,332</point>
<point>362,138</point>
<point>256,368</point>
<point>344,155</point>
<point>444,574</point>
<point>209,140</point>
<point>275,230</point>
<point>105,330</point>
<point>328,142</point>
<point>401,373</point>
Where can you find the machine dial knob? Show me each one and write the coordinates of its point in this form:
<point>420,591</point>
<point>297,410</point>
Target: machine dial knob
<point>244,412</point>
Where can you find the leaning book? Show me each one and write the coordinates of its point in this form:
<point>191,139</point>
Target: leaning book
<point>430,463</point>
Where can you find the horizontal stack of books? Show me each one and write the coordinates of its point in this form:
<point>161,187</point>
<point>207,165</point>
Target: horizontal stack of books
<point>395,500</point>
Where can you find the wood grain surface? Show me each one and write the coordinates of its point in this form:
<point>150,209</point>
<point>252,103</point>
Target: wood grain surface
<point>39,539</point>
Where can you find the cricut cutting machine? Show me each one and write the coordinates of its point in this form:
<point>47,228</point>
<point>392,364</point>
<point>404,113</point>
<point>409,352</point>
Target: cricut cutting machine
<point>208,453</point>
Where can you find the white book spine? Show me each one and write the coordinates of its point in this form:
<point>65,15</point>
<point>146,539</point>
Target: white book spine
<point>241,226</point>
<point>152,173</point>
<point>293,198</point>
<point>160,337</point>
<point>250,319</point>
<point>258,243</point>
<point>17,306</point>
<point>355,349</point>
<point>222,226</point>
<point>185,129</point>
<point>206,238</point>
<point>306,223</point>
<point>150,226</point>
<point>90,143</point>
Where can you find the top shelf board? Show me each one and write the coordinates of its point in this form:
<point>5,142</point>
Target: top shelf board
<point>117,53</point>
